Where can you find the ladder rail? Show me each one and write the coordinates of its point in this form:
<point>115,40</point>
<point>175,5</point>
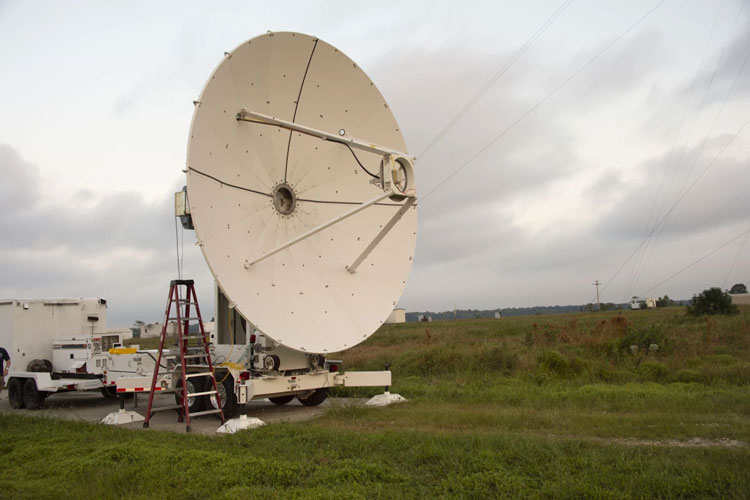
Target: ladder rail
<point>182,319</point>
<point>159,355</point>
<point>208,354</point>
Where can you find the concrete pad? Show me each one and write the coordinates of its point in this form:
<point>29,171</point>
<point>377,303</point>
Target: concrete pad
<point>240,424</point>
<point>385,399</point>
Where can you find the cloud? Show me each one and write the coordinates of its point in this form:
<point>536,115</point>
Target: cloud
<point>537,217</point>
<point>115,245</point>
<point>559,200</point>
<point>718,199</point>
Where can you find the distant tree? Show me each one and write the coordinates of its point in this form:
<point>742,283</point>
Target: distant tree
<point>664,302</point>
<point>738,288</point>
<point>712,301</point>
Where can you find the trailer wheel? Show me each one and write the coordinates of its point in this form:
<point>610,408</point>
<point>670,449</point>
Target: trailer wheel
<point>15,393</point>
<point>281,400</point>
<point>315,398</point>
<point>109,391</point>
<point>194,384</point>
<point>226,393</point>
<point>32,397</point>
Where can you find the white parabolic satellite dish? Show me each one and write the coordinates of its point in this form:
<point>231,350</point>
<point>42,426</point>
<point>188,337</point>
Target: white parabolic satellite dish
<point>301,239</point>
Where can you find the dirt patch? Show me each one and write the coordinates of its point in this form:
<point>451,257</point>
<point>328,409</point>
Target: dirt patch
<point>690,443</point>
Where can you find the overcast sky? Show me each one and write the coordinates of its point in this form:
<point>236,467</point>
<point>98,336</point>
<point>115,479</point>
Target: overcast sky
<point>96,101</point>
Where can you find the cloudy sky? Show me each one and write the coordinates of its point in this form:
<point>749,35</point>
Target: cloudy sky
<point>596,136</point>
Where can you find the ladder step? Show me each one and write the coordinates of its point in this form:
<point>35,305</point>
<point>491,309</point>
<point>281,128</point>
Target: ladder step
<point>205,412</point>
<point>204,393</point>
<point>186,348</point>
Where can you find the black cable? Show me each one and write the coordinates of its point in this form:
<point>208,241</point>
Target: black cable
<point>331,140</point>
<point>152,357</point>
<point>357,159</point>
<point>241,188</point>
<point>296,106</point>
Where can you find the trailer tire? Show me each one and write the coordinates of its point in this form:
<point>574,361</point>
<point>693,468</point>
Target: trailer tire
<point>226,393</point>
<point>15,393</point>
<point>315,398</point>
<point>33,398</point>
<point>109,391</point>
<point>281,400</point>
<point>194,384</point>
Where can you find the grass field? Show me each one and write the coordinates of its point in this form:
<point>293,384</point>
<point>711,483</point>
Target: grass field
<point>643,404</point>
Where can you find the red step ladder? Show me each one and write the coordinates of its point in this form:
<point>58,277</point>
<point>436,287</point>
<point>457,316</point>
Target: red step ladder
<point>201,366</point>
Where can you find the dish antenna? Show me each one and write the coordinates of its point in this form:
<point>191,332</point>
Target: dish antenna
<point>301,192</point>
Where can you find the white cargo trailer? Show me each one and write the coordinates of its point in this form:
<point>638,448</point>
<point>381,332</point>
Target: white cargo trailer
<point>56,345</point>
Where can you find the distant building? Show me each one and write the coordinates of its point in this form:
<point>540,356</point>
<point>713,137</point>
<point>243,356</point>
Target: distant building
<point>397,316</point>
<point>423,318</point>
<point>126,333</point>
<point>153,330</point>
<point>740,298</point>
<point>639,303</point>
<point>498,315</point>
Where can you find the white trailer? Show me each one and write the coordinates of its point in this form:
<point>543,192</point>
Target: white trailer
<point>56,345</point>
<point>642,303</point>
<point>248,366</point>
<point>61,345</point>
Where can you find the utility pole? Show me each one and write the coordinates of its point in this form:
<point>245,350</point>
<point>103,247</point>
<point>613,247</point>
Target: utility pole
<point>596,283</point>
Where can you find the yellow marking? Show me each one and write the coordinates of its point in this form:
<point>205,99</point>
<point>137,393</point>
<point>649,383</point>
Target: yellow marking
<point>234,366</point>
<point>123,350</point>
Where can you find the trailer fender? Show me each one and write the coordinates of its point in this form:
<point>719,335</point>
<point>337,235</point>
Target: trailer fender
<point>43,380</point>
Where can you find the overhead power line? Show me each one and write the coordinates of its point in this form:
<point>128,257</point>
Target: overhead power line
<point>739,251</point>
<point>542,101</point>
<point>743,233</point>
<point>497,75</point>
<point>705,138</point>
<point>642,259</point>
<point>677,202</point>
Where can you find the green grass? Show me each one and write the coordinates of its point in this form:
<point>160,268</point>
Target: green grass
<point>47,459</point>
<point>556,406</point>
